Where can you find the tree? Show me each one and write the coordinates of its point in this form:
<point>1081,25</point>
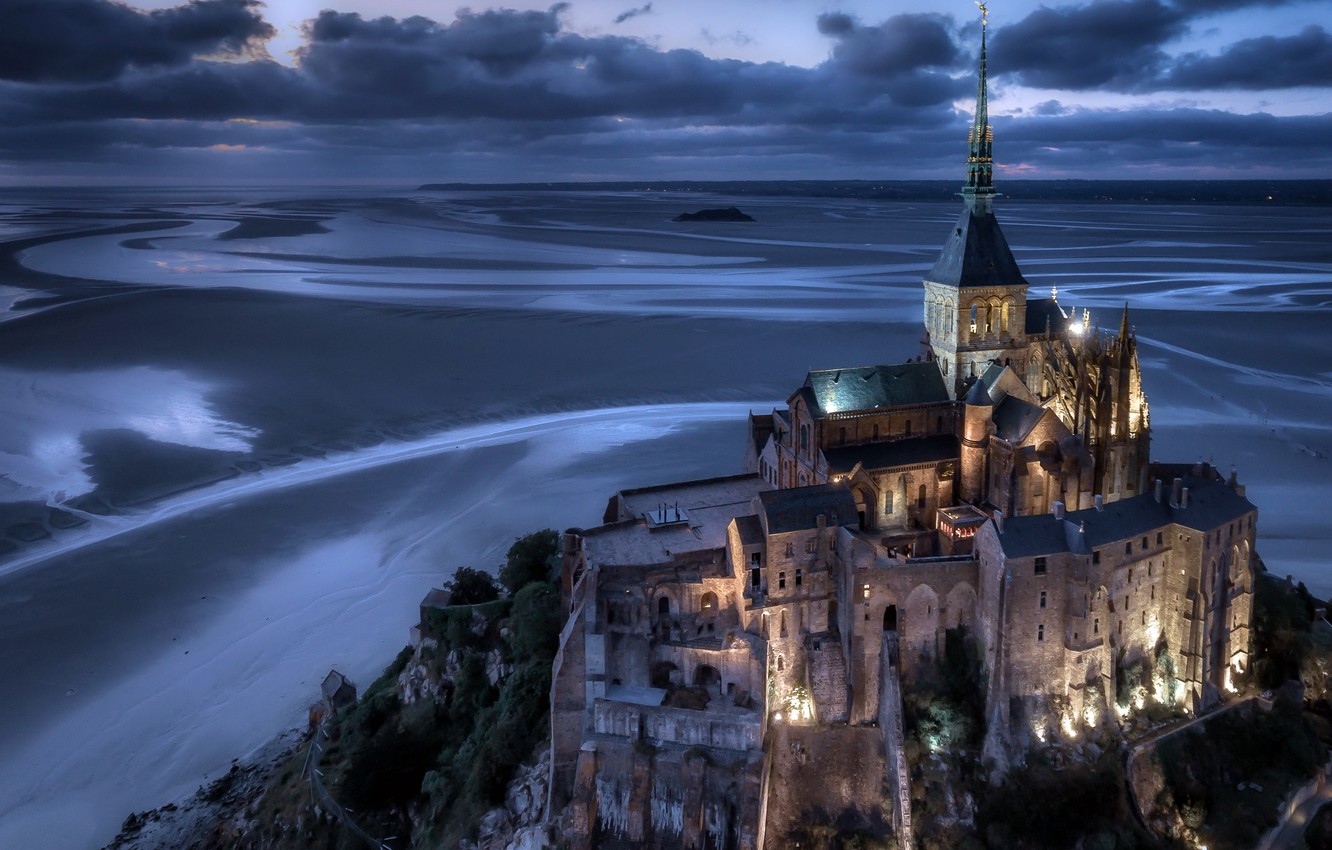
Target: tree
<point>471,587</point>
<point>534,622</point>
<point>534,557</point>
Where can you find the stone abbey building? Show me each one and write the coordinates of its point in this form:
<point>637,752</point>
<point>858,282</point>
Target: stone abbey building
<point>723,634</point>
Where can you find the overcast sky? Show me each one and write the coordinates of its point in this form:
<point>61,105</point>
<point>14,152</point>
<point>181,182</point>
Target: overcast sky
<point>217,91</point>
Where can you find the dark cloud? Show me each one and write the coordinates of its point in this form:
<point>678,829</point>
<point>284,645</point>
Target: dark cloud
<point>902,44</point>
<point>633,13</point>
<point>95,40</point>
<point>836,24</point>
<point>1267,62</point>
<point>517,93</point>
<point>1111,43</point>
<point>1202,8</point>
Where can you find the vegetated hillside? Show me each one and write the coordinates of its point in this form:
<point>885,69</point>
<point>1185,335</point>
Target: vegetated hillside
<point>433,744</point>
<point>432,754</point>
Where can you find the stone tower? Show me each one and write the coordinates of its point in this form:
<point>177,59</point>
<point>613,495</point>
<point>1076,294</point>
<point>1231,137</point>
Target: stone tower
<point>975,296</point>
<point>976,427</point>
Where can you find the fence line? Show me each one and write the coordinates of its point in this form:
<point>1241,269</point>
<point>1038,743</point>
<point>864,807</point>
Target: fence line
<point>319,794</point>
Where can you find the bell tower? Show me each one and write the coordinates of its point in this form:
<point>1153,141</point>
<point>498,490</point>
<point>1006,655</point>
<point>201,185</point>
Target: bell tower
<point>975,295</point>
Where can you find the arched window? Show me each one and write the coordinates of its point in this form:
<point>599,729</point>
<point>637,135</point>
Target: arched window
<point>664,605</point>
<point>1005,315</point>
<point>890,618</point>
<point>920,498</point>
<point>708,604</point>
<point>972,328</point>
<point>804,438</point>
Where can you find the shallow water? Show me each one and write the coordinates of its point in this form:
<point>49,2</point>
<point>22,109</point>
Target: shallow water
<point>265,449</point>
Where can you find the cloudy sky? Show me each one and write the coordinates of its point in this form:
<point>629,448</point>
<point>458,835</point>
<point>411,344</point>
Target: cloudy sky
<point>218,91</point>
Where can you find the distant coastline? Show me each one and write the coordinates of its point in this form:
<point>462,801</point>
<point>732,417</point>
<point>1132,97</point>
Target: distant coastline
<point>1282,192</point>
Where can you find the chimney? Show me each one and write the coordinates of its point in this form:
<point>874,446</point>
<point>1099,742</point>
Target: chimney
<point>1174,491</point>
<point>1198,469</point>
<point>1058,508</point>
<point>999,521</point>
<point>822,520</point>
<point>1234,477</point>
<point>1157,490</point>
<point>1184,498</point>
<point>1099,502</point>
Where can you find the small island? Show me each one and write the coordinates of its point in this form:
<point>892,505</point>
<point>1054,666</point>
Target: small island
<point>728,214</point>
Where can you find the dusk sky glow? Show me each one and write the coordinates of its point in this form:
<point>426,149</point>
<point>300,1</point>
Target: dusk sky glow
<point>404,91</point>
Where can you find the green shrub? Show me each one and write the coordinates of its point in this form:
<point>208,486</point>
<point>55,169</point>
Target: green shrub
<point>471,587</point>
<point>534,557</point>
<point>534,623</point>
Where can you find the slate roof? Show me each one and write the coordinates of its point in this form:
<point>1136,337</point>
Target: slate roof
<point>978,395</point>
<point>1038,312</point>
<point>1014,418</point>
<point>438,597</point>
<point>798,508</point>
<point>751,530</point>
<point>870,387</point>
<point>896,453</point>
<point>1212,504</point>
<point>976,254</point>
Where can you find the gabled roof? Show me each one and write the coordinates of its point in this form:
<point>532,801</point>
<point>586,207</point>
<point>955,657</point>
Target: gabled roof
<point>916,450</point>
<point>1042,311</point>
<point>1014,419</point>
<point>1212,504</point>
<point>871,387</point>
<point>976,254</point>
<point>799,508</point>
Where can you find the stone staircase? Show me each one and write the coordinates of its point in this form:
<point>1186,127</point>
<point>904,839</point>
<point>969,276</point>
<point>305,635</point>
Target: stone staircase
<point>827,677</point>
<point>890,723</point>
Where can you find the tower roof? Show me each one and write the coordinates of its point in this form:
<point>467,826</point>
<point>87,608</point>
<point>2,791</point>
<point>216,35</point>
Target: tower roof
<point>977,254</point>
<point>979,188</point>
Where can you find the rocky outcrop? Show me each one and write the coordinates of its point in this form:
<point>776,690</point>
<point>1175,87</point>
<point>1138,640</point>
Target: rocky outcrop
<point>520,824</point>
<point>727,214</point>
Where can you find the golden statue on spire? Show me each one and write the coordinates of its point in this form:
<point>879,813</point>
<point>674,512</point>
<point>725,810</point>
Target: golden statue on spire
<point>985,12</point>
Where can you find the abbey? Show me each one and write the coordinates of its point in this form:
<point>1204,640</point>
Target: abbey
<point>723,633</point>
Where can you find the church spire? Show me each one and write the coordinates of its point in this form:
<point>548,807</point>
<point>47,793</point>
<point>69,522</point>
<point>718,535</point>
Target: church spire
<point>979,189</point>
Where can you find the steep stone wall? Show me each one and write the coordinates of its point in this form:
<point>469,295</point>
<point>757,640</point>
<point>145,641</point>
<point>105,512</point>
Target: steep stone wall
<point>848,762</point>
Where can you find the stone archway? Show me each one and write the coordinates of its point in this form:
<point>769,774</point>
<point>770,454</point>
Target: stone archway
<point>866,502</point>
<point>890,618</point>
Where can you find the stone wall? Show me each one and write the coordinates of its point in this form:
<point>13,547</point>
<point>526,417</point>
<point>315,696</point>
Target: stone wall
<point>848,762</point>
<point>667,798</point>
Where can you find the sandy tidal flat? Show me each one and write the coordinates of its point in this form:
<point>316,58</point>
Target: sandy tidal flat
<point>243,435</point>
